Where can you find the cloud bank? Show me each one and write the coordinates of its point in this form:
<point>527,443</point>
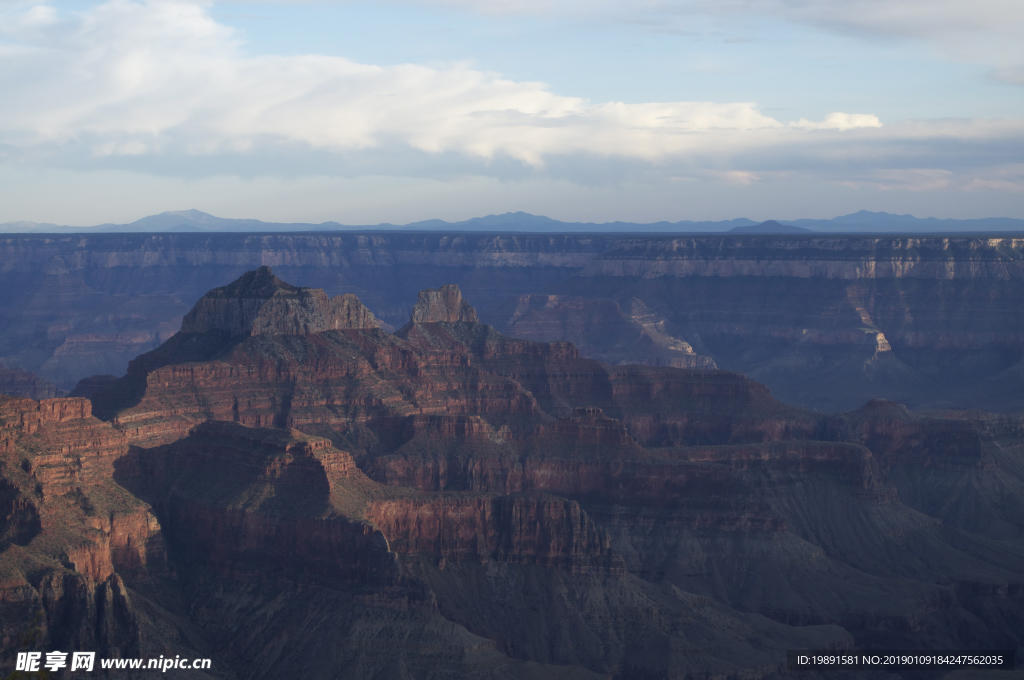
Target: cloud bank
<point>163,87</point>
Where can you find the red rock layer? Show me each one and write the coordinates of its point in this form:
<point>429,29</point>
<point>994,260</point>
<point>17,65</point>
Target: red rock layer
<point>553,463</point>
<point>68,528</point>
<point>237,541</point>
<point>237,496</point>
<point>333,378</point>
<point>445,427</point>
<point>341,379</point>
<point>59,469</point>
<point>17,382</point>
<point>665,407</point>
<point>896,435</point>
<point>75,447</point>
<point>119,542</point>
<point>445,304</point>
<point>542,530</point>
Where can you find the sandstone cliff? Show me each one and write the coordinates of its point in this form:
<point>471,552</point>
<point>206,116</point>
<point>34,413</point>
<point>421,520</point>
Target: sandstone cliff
<point>68,530</point>
<point>17,382</point>
<point>796,313</point>
<point>445,304</point>
<point>303,503</point>
<point>244,502</point>
<point>811,257</point>
<point>630,333</point>
<point>357,485</point>
<point>259,303</point>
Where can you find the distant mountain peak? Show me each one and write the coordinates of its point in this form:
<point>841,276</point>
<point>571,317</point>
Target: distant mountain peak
<point>191,214</point>
<point>862,221</point>
<point>869,217</point>
<point>770,227</point>
<point>190,220</point>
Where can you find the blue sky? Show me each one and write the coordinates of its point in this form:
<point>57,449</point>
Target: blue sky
<point>604,110</point>
<point>785,67</point>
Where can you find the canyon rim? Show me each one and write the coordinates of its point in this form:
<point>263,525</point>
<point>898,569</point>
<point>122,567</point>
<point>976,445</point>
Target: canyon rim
<point>543,463</point>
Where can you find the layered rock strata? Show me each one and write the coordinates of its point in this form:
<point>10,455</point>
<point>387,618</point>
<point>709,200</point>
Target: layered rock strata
<point>603,329</point>
<point>445,304</point>
<point>290,505</point>
<point>798,313</point>
<point>68,529</point>
<point>17,382</point>
<point>337,379</point>
<point>302,503</point>
<point>619,517</point>
<point>259,303</point>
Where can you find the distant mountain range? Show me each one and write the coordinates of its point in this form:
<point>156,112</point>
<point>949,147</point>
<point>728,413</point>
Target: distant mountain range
<point>770,227</point>
<point>861,222</point>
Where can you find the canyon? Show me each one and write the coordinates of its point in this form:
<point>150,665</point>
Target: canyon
<point>300,482</point>
<point>929,321</point>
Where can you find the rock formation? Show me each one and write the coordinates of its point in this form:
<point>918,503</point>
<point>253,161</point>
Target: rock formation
<point>630,333</point>
<point>451,500</point>
<point>69,532</point>
<point>17,382</point>
<point>259,303</point>
<point>797,313</point>
<point>348,313</point>
<point>445,304</point>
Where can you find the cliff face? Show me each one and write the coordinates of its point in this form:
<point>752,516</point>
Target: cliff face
<point>541,530</point>
<point>341,380</point>
<point>448,499</point>
<point>240,504</point>
<point>67,530</point>
<point>445,304</point>
<point>926,321</point>
<point>259,303</point>
<point>347,313</point>
<point>899,436</point>
<point>813,257</point>
<point>230,491</point>
<point>603,329</point>
<point>17,382</point>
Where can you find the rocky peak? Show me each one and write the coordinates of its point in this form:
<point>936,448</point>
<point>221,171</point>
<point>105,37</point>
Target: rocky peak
<point>259,283</point>
<point>444,304</point>
<point>259,303</point>
<point>347,312</point>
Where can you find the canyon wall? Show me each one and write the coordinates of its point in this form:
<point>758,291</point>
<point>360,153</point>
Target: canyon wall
<point>929,321</point>
<point>69,532</point>
<point>447,500</point>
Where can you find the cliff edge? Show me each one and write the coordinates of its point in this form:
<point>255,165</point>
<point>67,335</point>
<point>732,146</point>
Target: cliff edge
<point>444,304</point>
<point>259,303</point>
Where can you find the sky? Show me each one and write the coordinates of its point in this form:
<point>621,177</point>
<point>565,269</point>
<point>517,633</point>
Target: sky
<point>598,110</point>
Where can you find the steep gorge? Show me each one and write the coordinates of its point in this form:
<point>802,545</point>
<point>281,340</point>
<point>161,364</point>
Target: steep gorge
<point>928,321</point>
<point>315,492</point>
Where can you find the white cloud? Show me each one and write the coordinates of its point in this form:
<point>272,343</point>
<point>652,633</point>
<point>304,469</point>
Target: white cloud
<point>840,121</point>
<point>162,86</point>
<point>132,78</point>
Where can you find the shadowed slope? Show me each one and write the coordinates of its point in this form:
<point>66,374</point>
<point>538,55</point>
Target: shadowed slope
<point>623,485</point>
